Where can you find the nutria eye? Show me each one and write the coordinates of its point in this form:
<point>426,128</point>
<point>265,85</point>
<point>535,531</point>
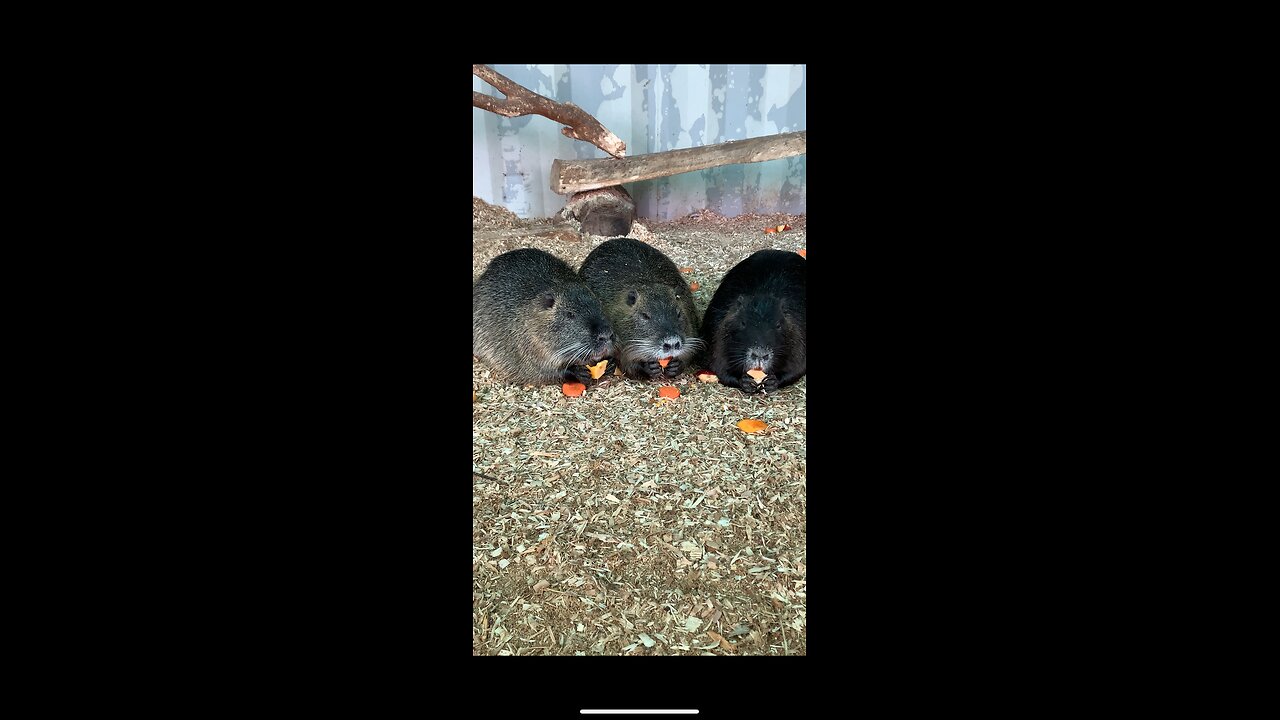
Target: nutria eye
<point>570,315</point>
<point>631,297</point>
<point>547,300</point>
<point>644,316</point>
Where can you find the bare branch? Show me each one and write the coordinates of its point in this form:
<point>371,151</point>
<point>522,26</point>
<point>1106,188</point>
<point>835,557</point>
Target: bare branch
<point>521,101</point>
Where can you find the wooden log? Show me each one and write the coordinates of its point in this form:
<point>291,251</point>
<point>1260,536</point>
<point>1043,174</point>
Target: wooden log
<point>609,211</point>
<point>570,176</point>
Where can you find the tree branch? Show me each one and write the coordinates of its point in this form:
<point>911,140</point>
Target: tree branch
<point>521,101</point>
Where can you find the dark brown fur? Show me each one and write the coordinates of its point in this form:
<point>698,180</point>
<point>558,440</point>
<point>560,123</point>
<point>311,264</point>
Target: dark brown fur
<point>649,304</point>
<point>533,320</point>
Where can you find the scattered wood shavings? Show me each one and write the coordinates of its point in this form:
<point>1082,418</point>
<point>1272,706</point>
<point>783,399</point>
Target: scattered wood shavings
<point>605,522</point>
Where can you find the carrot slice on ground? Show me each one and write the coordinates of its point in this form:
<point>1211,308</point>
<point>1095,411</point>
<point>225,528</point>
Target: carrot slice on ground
<point>771,230</point>
<point>694,286</point>
<point>664,361</point>
<point>751,426</point>
<point>573,389</point>
<point>707,376</point>
<point>669,391</point>
<point>686,270</point>
<point>802,253</point>
<point>598,369</point>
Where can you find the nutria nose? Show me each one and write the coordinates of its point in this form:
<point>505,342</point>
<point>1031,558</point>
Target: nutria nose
<point>760,356</point>
<point>671,344</point>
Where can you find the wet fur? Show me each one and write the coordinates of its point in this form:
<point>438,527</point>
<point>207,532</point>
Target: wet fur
<point>760,306</point>
<point>533,320</point>
<point>634,279</point>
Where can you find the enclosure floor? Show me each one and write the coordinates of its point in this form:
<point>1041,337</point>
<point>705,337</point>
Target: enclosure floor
<point>617,524</point>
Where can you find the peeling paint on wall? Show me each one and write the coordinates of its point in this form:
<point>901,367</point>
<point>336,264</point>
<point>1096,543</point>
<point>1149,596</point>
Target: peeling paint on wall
<point>652,108</point>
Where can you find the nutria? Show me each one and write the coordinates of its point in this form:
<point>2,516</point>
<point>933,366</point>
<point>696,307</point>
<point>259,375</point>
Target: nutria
<point>756,320</point>
<point>533,320</point>
<point>649,303</point>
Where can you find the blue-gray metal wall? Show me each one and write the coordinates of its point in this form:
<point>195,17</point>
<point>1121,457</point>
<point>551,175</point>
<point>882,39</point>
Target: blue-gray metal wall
<point>652,108</point>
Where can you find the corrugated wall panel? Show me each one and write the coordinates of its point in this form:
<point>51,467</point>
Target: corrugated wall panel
<point>652,108</point>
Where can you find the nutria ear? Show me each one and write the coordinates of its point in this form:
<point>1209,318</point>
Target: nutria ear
<point>547,299</point>
<point>631,297</point>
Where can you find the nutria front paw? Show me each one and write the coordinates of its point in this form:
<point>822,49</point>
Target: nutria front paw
<point>749,385</point>
<point>674,368</point>
<point>770,383</point>
<point>651,369</point>
<point>578,374</point>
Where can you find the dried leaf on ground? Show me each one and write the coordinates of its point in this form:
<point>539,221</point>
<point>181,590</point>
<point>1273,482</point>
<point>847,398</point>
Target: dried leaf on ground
<point>720,639</point>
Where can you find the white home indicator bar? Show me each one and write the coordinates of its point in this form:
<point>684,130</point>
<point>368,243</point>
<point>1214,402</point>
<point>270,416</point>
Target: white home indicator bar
<point>638,711</point>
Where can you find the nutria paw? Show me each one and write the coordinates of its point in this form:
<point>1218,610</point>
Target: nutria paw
<point>749,385</point>
<point>770,383</point>
<point>578,374</point>
<point>674,368</point>
<point>651,369</point>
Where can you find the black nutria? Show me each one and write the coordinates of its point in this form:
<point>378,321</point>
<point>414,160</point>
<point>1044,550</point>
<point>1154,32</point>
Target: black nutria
<point>649,304</point>
<point>533,320</point>
<point>756,321</point>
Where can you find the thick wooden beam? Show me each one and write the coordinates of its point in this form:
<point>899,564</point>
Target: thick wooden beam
<point>571,176</point>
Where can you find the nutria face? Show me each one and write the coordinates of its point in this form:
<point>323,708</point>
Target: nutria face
<point>755,334</point>
<point>654,325</point>
<point>583,336</point>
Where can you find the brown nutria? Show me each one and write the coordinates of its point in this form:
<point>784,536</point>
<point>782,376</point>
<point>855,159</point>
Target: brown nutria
<point>533,320</point>
<point>649,304</point>
<point>756,320</point>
